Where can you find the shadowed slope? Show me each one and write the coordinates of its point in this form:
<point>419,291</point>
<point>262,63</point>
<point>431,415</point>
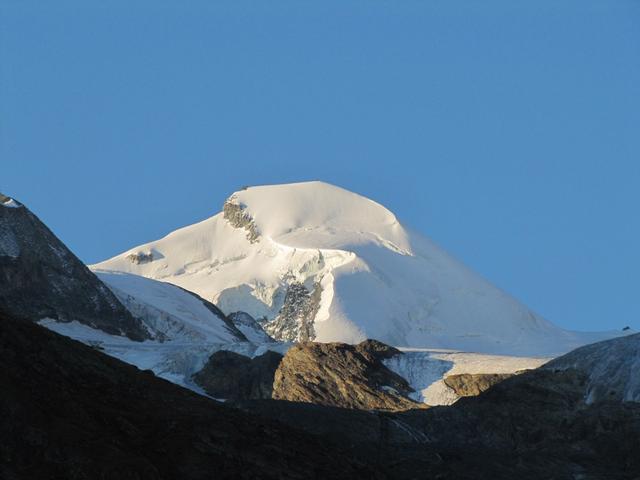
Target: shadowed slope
<point>68,411</point>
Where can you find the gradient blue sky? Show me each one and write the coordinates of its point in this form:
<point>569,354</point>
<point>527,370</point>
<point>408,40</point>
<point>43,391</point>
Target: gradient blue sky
<point>507,131</point>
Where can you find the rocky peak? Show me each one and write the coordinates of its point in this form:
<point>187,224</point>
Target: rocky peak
<point>40,277</point>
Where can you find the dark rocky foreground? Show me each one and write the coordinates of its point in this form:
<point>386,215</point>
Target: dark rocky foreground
<point>70,412</point>
<point>532,426</point>
<point>40,277</point>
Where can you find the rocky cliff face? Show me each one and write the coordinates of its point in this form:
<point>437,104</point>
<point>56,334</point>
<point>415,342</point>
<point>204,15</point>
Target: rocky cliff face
<point>40,277</point>
<point>338,374</point>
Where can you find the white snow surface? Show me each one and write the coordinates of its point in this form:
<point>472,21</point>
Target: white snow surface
<point>379,279</point>
<point>425,370</point>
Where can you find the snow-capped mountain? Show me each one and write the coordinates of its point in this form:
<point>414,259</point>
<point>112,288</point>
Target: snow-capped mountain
<point>312,261</point>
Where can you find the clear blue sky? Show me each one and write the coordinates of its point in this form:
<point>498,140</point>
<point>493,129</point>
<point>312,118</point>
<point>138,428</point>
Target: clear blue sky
<point>508,131</point>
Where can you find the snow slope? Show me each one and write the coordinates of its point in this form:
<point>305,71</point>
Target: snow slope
<point>365,276</point>
<point>169,312</point>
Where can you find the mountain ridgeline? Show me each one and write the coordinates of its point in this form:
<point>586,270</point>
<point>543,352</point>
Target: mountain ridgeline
<point>41,278</point>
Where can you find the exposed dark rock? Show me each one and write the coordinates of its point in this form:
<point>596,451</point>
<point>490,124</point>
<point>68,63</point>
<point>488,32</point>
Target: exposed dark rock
<point>472,384</point>
<point>294,322</point>
<point>236,216</point>
<point>70,412</point>
<point>342,375</point>
<point>40,277</point>
<point>229,375</point>
<point>140,257</point>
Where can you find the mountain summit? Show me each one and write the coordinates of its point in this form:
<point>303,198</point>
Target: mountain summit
<point>312,261</point>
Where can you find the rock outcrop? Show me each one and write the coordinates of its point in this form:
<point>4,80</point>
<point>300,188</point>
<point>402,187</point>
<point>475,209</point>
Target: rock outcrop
<point>472,384</point>
<point>40,277</point>
<point>231,376</point>
<point>234,213</point>
<point>342,375</point>
<point>294,322</point>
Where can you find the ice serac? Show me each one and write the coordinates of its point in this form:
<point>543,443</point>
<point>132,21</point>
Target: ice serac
<point>312,261</point>
<point>41,278</point>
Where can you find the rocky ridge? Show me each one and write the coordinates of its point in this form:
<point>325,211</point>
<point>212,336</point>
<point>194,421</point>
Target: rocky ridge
<point>41,278</point>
